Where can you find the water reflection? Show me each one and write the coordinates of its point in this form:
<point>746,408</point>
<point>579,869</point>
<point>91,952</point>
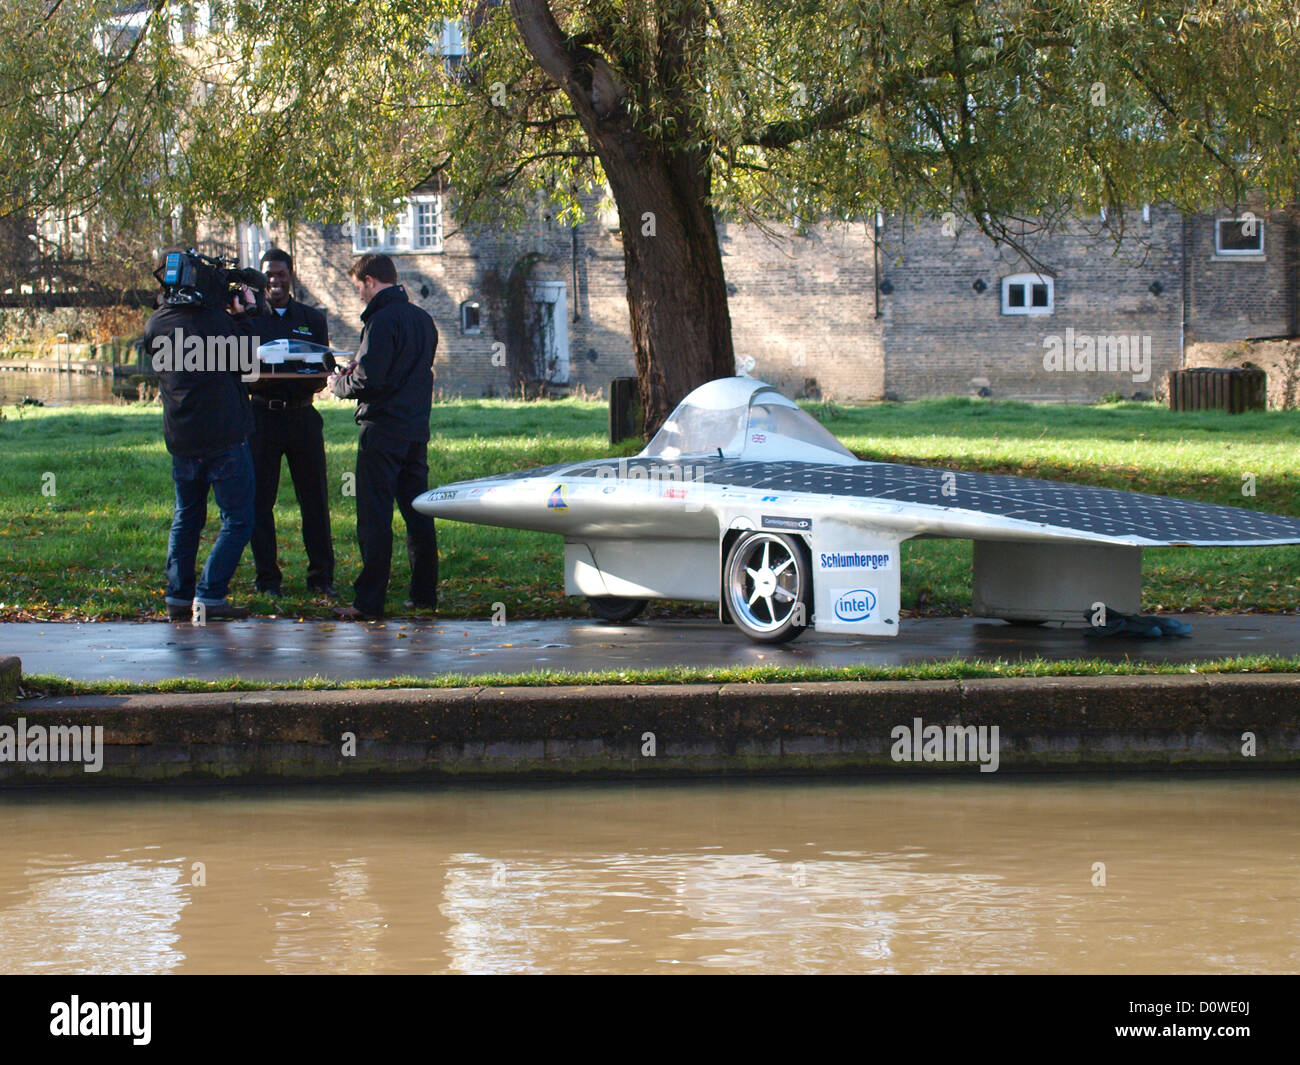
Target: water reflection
<point>94,917</point>
<point>55,389</point>
<point>972,876</point>
<point>338,931</point>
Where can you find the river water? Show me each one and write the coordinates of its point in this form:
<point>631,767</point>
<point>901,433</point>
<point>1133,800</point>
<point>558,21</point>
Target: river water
<point>55,389</point>
<point>968,875</point>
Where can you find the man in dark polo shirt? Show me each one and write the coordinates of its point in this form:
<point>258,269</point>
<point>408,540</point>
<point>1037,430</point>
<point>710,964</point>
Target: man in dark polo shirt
<point>287,424</point>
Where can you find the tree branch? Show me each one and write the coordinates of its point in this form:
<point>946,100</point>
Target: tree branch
<point>584,74</point>
<point>847,106</point>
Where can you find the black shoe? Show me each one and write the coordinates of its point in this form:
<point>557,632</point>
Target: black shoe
<point>274,593</point>
<point>224,612</point>
<point>411,604</point>
<point>179,613</point>
<point>327,590</point>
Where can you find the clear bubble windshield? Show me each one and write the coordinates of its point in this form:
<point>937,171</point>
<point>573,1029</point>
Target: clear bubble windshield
<point>765,425</point>
<point>793,424</point>
<point>693,430</point>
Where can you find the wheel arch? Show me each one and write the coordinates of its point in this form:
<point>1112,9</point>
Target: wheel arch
<point>734,533</point>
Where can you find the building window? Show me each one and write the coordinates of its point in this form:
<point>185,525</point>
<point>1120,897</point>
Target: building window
<point>471,321</point>
<point>1028,294</point>
<point>369,235</point>
<point>427,222</point>
<point>417,228</point>
<point>1239,236</point>
<point>254,241</point>
<point>450,45</point>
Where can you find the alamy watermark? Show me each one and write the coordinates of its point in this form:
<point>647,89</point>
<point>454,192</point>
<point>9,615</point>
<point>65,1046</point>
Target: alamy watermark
<point>673,478</point>
<point>78,1018</point>
<point>57,743</point>
<point>176,352</point>
<point>1091,353</point>
<point>919,742</point>
<point>656,471</point>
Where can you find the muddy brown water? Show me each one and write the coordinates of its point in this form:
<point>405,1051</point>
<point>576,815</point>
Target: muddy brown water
<point>1201,874</point>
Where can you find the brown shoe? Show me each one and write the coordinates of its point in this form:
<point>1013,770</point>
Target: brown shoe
<point>351,613</point>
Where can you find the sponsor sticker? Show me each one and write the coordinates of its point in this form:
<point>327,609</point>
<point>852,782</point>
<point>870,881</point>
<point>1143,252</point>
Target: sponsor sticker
<point>447,494</point>
<point>675,493</point>
<point>758,438</point>
<point>868,560</point>
<point>779,521</point>
<point>769,499</point>
<point>854,604</point>
<point>557,500</point>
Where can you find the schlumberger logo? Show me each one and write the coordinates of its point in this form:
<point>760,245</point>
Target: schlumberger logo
<point>956,743</point>
<point>58,743</point>
<point>853,560</point>
<point>176,353</point>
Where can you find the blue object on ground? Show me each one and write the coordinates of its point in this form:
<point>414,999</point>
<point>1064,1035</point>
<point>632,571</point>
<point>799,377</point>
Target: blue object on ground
<point>1145,626</point>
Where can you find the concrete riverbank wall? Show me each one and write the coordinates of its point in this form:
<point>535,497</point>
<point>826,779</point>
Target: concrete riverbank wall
<point>1215,721</point>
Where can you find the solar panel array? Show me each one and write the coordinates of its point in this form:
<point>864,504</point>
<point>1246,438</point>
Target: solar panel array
<point>1104,512</point>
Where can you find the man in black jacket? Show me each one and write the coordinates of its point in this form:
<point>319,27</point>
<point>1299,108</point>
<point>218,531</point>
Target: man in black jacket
<point>195,350</point>
<point>392,377</point>
<point>286,424</point>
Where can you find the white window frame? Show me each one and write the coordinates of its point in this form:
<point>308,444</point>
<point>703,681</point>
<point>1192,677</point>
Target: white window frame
<point>434,243</point>
<point>471,330</point>
<point>254,242</point>
<point>1239,253</point>
<point>1028,281</point>
<point>450,45</point>
<point>403,236</point>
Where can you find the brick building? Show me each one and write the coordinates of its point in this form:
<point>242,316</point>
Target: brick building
<point>888,308</point>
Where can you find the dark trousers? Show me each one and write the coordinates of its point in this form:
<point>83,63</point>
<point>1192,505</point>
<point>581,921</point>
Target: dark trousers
<point>296,434</point>
<point>229,474</point>
<point>391,469</point>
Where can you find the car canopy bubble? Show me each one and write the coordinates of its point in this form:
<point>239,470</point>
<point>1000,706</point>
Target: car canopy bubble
<point>742,418</point>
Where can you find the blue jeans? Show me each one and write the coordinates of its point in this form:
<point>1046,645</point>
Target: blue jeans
<point>230,474</point>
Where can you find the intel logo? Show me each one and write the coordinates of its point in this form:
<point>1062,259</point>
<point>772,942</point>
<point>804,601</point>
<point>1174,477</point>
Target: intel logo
<point>856,605</point>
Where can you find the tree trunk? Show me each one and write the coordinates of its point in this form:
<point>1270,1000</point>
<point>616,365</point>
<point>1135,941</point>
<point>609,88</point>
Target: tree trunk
<point>676,291</point>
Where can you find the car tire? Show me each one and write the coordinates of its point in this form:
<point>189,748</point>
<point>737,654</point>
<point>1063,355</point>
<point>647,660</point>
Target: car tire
<point>768,584</point>
<point>614,608</point>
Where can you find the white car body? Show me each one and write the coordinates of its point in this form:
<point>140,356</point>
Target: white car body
<point>736,456</point>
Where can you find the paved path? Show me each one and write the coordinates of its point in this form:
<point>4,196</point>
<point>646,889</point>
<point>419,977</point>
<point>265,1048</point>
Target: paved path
<point>272,650</point>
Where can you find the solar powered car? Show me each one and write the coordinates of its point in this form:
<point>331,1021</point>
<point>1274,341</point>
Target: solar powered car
<point>744,499</point>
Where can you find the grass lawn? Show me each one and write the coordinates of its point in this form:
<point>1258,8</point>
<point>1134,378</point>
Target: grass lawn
<point>85,500</point>
<point>50,686</point>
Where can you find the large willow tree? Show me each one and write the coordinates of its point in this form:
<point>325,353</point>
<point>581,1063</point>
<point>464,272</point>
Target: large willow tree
<point>1008,114</point>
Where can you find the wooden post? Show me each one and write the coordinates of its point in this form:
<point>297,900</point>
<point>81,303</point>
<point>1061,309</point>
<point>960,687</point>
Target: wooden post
<point>624,409</point>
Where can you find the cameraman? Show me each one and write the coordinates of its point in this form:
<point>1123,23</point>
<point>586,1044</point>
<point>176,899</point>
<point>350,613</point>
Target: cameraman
<point>206,423</point>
